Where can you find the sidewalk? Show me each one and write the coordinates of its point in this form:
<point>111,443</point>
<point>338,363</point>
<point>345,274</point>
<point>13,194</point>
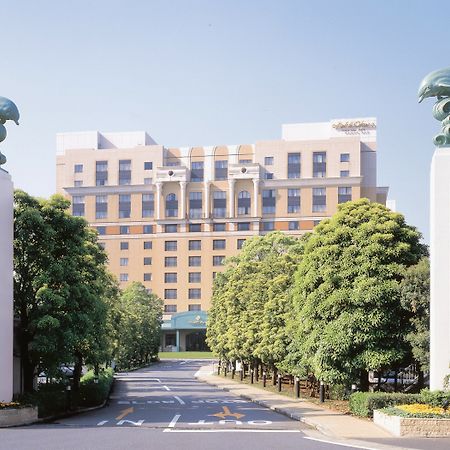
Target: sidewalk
<point>328,422</point>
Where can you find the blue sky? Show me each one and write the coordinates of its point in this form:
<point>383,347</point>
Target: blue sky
<point>213,72</point>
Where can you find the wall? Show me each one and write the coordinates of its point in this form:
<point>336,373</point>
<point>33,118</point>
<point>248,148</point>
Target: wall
<point>6,286</point>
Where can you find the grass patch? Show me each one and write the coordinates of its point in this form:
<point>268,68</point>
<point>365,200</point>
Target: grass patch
<point>186,355</point>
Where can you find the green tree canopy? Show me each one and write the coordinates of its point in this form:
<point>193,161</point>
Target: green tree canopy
<point>348,317</point>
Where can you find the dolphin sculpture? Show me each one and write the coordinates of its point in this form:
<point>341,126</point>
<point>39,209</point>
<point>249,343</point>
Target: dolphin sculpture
<point>8,111</point>
<point>435,84</point>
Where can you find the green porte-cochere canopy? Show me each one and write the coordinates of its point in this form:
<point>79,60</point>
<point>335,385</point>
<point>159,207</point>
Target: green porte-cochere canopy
<point>190,320</point>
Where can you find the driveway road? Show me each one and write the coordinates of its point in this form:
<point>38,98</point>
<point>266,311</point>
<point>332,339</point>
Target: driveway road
<point>165,407</point>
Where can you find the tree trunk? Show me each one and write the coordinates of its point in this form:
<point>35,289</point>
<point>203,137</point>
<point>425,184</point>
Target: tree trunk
<point>364,380</point>
<point>274,376</point>
<point>77,372</point>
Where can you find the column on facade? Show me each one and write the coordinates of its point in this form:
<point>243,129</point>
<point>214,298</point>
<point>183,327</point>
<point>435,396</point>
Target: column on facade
<point>231,196</point>
<point>206,212</point>
<point>158,200</point>
<point>255,196</point>
<point>183,199</point>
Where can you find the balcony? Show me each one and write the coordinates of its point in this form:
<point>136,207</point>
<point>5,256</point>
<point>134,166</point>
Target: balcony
<point>244,171</point>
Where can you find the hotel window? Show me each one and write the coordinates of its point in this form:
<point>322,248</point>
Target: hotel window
<point>195,293</point>
<point>170,228</point>
<point>195,261</point>
<point>221,170</point>
<point>78,183</point>
<point>124,261</point>
<point>214,275</point>
<point>101,230</point>
<point>268,161</point>
<point>170,294</point>
<point>171,205</point>
<point>124,229</point>
<point>125,171</point>
<point>124,246</point>
<point>195,227</point>
<point>195,205</point>
<point>344,194</point>
<point>319,203</point>
<point>148,205</point>
<point>101,173</point>
<point>319,164</point>
<point>195,307</point>
<point>219,204</point>
<point>345,173</point>
<point>268,175</point>
<point>345,157</point>
<point>219,226</point>
<point>78,168</point>
<point>294,225</point>
<point>148,165</point>
<point>101,206</point>
<point>147,245</point>
<point>240,243</point>
<point>293,200</point>
<point>170,261</point>
<point>245,161</point>
<point>78,205</point>
<point>147,229</point>
<point>170,309</point>
<point>195,277</point>
<point>268,226</point>
<point>218,260</point>
<point>147,277</point>
<point>124,206</point>
<point>123,277</point>
<point>197,171</point>
<point>293,165</point>
<point>219,244</point>
<point>195,245</point>
<point>147,261</point>
<point>269,201</point>
<point>170,246</point>
<point>243,226</point>
<point>170,277</point>
<point>244,203</point>
<point>316,222</point>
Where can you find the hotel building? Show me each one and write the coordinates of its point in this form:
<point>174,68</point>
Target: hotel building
<point>168,217</point>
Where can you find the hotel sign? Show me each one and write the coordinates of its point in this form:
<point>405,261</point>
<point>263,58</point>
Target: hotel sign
<point>357,126</point>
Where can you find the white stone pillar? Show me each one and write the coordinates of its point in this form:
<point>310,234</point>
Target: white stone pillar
<point>231,197</point>
<point>255,197</point>
<point>183,199</point>
<point>207,193</point>
<point>6,287</point>
<point>440,267</point>
<point>158,200</point>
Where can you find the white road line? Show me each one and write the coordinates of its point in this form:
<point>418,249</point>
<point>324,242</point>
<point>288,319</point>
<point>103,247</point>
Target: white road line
<point>166,430</point>
<point>181,402</point>
<point>102,423</point>
<point>339,443</point>
<point>166,388</point>
<point>173,421</point>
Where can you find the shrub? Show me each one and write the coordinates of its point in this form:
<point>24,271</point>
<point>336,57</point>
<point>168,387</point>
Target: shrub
<point>434,398</point>
<point>92,393</point>
<point>363,403</point>
<point>50,399</point>
<point>339,392</point>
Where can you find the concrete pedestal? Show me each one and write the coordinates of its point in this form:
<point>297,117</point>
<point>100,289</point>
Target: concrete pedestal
<point>440,268</point>
<point>6,287</point>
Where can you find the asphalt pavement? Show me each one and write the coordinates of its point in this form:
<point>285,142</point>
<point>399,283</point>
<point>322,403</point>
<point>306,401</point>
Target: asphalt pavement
<point>165,407</point>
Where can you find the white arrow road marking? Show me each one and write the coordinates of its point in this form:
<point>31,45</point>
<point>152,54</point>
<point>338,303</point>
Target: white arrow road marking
<point>181,402</point>
<point>136,424</point>
<point>174,421</point>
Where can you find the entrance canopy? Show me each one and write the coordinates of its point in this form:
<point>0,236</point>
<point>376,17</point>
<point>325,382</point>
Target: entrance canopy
<point>190,320</point>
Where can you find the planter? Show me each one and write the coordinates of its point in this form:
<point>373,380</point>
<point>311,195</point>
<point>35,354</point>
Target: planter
<point>409,426</point>
<point>20,416</point>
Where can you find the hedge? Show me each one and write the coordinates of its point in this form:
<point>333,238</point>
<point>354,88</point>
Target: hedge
<point>92,393</point>
<point>363,403</point>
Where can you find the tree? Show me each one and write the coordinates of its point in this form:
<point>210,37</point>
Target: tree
<point>348,317</point>
<point>139,326</point>
<point>60,283</point>
<point>415,297</point>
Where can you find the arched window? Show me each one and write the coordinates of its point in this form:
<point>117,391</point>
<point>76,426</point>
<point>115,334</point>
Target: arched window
<point>244,203</point>
<point>171,205</point>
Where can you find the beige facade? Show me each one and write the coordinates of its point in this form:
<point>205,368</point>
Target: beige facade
<point>168,216</point>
